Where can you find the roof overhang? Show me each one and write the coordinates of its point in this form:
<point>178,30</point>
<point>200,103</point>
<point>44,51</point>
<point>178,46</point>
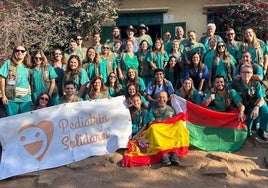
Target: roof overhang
<point>143,10</point>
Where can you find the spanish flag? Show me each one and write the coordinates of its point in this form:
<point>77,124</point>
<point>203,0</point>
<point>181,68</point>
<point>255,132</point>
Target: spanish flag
<point>158,139</point>
<point>203,128</point>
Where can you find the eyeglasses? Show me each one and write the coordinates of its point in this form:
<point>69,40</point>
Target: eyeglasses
<point>221,46</point>
<point>22,51</point>
<point>246,72</point>
<point>38,58</point>
<point>107,48</point>
<point>57,54</point>
<point>230,34</point>
<point>43,98</point>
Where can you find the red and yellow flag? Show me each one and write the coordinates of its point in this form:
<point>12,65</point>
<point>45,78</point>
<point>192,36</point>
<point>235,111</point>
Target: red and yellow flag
<point>158,139</point>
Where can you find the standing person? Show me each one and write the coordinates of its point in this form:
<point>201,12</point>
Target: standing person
<point>192,47</point>
<point>143,29</point>
<point>209,57</point>
<point>211,28</point>
<point>72,50</point>
<point>116,33</point>
<point>159,113</point>
<point>59,64</point>
<point>114,86</point>
<point>257,48</point>
<point>81,50</point>
<point>130,36</point>
<point>126,60</point>
<point>252,95</point>
<point>198,71</point>
<point>76,73</point>
<point>145,70</point>
<point>223,99</point>
<point>173,71</point>
<point>108,62</point>
<point>223,64</point>
<point>43,78</point>
<point>180,36</point>
<point>158,57</point>
<point>15,87</point>
<point>167,42</point>
<point>92,63</point>
<point>156,85</point>
<point>177,51</point>
<point>43,101</point>
<point>117,48</point>
<point>137,113</point>
<point>188,91</point>
<point>232,45</point>
<point>96,42</point>
<point>97,89</point>
<point>69,90</point>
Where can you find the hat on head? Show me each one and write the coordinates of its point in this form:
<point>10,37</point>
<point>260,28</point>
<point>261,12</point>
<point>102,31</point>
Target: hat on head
<point>131,28</point>
<point>142,26</point>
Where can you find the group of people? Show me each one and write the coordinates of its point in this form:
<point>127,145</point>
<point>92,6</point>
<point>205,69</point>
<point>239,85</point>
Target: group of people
<point>222,76</point>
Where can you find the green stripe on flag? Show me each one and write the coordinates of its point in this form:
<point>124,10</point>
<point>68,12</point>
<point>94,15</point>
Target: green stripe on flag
<point>216,139</point>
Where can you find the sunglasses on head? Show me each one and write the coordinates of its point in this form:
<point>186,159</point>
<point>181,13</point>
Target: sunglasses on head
<point>44,98</point>
<point>22,51</point>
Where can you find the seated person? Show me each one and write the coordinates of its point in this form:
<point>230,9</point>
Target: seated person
<point>97,89</point>
<point>131,92</point>
<point>69,89</point>
<point>223,99</point>
<point>159,113</point>
<point>252,94</point>
<point>137,113</point>
<point>43,101</point>
<point>188,92</point>
<point>156,85</point>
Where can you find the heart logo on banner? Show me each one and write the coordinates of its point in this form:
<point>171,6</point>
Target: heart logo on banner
<point>37,138</point>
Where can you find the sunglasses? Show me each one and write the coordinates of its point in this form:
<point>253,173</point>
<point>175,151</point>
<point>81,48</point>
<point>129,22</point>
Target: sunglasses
<point>107,48</point>
<point>221,46</point>
<point>38,58</point>
<point>22,51</point>
<point>57,54</point>
<point>44,99</point>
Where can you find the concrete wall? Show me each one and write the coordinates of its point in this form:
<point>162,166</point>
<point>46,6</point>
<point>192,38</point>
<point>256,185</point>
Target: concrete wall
<point>190,11</point>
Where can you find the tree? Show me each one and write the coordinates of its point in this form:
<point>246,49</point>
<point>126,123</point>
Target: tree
<point>242,14</point>
<point>48,24</point>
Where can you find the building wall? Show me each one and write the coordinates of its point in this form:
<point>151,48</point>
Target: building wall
<point>191,11</point>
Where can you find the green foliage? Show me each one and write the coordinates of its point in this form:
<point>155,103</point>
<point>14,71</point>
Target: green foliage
<point>50,24</point>
<point>244,14</point>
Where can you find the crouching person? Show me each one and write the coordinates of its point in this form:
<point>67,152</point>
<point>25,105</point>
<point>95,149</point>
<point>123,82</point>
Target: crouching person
<point>159,113</point>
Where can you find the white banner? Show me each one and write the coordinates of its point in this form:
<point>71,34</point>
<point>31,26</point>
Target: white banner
<point>62,134</point>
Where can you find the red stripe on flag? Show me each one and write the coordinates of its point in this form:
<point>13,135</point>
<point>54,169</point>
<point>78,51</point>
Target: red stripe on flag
<point>205,117</point>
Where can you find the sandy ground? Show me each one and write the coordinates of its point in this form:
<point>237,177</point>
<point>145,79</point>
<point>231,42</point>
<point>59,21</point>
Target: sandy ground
<point>247,167</point>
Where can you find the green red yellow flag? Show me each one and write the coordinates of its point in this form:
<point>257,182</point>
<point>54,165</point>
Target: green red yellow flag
<point>209,130</point>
